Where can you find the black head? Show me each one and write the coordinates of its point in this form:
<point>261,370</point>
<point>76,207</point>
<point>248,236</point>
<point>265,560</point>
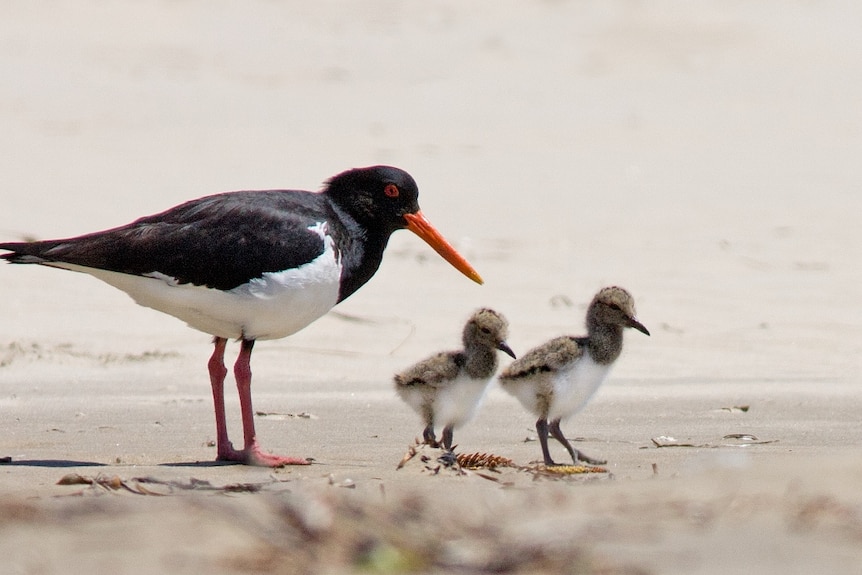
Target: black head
<point>383,199</point>
<point>378,196</point>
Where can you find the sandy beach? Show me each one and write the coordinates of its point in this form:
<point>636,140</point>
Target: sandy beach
<point>703,156</point>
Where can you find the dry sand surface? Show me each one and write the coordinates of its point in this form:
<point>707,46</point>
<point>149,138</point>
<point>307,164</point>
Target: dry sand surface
<point>706,156</point>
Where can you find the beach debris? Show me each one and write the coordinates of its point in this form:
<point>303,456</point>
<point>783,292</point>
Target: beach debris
<point>735,409</point>
<point>204,485</point>
<point>488,466</point>
<point>139,485</point>
<point>743,440</point>
<point>746,439</point>
<point>445,460</point>
<point>567,469</point>
<point>447,457</point>
<point>277,415</point>
<point>412,450</point>
<point>107,482</point>
<point>479,464</point>
<point>668,441</point>
<point>490,461</point>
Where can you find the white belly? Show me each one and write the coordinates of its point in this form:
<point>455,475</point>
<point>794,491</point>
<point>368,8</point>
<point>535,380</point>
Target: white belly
<point>562,393</point>
<point>458,403</point>
<point>526,391</point>
<point>270,307</point>
<point>575,386</point>
<point>415,397</point>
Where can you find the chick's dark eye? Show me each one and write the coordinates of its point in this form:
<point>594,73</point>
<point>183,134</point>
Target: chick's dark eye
<point>485,330</point>
<point>391,190</point>
<point>615,306</point>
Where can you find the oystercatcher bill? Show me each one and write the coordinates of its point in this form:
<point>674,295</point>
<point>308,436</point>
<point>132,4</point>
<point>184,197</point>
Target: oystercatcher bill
<point>251,265</point>
<point>556,379</point>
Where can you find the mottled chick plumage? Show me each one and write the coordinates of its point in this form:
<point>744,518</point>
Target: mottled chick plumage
<point>556,379</point>
<point>448,387</point>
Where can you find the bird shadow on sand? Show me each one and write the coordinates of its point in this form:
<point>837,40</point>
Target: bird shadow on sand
<point>198,464</point>
<point>50,463</point>
<point>64,463</point>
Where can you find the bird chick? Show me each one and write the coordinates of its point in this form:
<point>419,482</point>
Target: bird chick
<point>556,379</point>
<point>448,388</point>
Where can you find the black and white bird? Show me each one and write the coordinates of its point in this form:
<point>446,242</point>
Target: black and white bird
<point>251,265</point>
<point>447,388</point>
<point>556,379</point>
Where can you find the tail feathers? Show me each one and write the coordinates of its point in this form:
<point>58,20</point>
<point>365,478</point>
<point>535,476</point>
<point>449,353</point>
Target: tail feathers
<point>23,259</point>
<point>25,252</point>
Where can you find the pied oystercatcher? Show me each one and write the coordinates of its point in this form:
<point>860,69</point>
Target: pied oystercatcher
<point>556,379</point>
<point>251,265</point>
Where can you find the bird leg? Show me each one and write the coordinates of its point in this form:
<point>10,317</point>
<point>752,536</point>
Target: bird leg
<point>542,431</point>
<point>577,455</point>
<point>217,374</point>
<point>447,438</point>
<point>251,453</point>
<point>428,436</point>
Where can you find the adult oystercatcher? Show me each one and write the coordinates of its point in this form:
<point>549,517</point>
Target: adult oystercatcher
<point>448,387</point>
<point>556,379</point>
<point>251,265</point>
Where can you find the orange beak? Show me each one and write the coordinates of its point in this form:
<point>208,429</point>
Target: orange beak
<point>417,224</point>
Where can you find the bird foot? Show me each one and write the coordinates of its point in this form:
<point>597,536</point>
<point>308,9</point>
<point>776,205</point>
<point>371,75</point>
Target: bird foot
<point>587,459</point>
<point>253,455</point>
<point>448,458</point>
<point>579,458</point>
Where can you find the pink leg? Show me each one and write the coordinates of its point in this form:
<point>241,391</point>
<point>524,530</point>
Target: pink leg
<point>251,453</point>
<point>217,374</point>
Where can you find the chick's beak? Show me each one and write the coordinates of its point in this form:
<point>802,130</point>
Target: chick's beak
<point>420,226</point>
<point>504,347</point>
<point>633,322</point>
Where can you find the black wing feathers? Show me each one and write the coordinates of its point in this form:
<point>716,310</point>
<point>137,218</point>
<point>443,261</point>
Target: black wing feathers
<point>219,241</point>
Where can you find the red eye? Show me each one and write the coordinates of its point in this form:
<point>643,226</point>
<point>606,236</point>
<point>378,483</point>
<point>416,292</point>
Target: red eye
<point>391,190</point>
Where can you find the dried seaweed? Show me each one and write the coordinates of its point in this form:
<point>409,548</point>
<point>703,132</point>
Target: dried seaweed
<point>490,461</point>
<point>568,469</point>
<point>138,485</point>
<point>412,450</point>
<point>105,482</point>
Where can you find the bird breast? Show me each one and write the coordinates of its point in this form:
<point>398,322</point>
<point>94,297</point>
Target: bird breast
<point>574,386</point>
<point>457,403</point>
